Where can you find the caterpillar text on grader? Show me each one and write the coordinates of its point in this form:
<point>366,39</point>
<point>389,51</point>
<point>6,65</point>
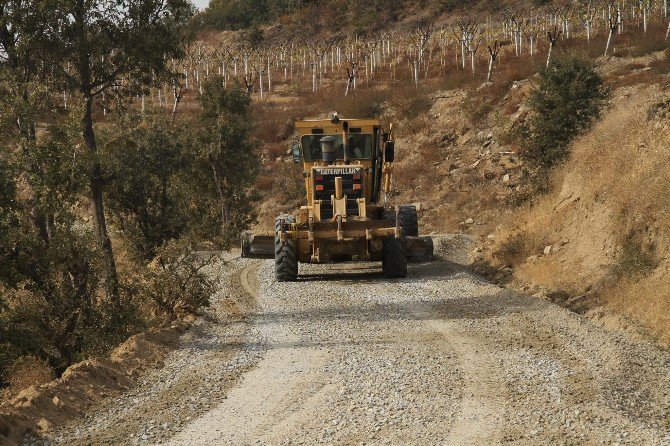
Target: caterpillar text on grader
<point>347,173</point>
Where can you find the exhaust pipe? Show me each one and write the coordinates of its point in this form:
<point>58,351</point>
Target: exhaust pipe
<point>328,149</point>
<point>345,142</point>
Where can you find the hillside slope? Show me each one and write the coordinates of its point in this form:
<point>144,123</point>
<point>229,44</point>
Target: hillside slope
<point>601,236</point>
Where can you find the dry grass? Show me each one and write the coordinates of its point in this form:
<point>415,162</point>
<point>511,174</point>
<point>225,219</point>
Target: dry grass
<point>513,249</point>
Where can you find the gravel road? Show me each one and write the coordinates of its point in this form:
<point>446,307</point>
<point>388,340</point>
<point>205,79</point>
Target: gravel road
<point>345,357</point>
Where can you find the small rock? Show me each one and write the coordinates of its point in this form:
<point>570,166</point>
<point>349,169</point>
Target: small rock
<point>469,221</point>
<point>505,179</point>
<point>487,144</point>
<point>547,249</point>
<point>44,424</point>
<point>57,402</point>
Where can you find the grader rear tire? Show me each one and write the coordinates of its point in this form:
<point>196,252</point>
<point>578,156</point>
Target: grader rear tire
<point>286,255</point>
<point>409,220</point>
<point>394,260</point>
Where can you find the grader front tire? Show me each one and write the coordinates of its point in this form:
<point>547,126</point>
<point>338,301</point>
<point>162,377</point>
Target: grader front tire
<point>394,260</point>
<point>286,255</point>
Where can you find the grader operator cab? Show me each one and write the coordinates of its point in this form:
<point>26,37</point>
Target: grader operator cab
<point>347,173</point>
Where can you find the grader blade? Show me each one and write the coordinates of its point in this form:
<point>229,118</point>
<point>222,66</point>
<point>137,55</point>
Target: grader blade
<point>258,246</point>
<point>419,249</point>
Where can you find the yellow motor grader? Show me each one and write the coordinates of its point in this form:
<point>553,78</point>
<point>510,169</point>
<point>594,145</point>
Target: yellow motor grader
<point>347,173</point>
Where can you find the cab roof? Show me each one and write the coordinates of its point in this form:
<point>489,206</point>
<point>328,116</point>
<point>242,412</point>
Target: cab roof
<point>316,123</point>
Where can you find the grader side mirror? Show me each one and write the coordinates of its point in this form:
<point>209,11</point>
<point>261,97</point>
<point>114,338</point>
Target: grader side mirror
<point>295,151</point>
<point>389,152</point>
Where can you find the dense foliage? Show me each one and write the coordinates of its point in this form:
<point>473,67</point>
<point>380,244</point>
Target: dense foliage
<point>224,149</point>
<point>569,97</point>
<point>102,206</point>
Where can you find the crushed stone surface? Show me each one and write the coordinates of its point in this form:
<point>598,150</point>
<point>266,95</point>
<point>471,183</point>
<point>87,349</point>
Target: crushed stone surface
<point>346,357</point>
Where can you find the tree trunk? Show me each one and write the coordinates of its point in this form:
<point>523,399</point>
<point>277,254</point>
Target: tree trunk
<point>463,53</point>
<point>96,184</point>
<point>609,39</point>
<point>260,82</point>
<point>313,77</point>
<point>225,206</point>
<point>532,46</point>
<point>489,76</point>
<point>416,73</point>
<point>551,47</point>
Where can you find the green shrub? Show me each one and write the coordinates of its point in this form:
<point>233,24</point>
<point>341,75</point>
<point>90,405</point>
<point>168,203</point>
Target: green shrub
<point>176,282</point>
<point>568,99</point>
<point>54,313</point>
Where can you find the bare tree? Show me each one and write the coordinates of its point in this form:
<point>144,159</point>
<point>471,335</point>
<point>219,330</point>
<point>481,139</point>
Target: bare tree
<point>471,34</point>
<point>587,13</point>
<point>531,29</point>
<point>493,55</point>
<point>515,25</point>
<point>416,51</point>
<point>353,61</point>
<point>613,24</point>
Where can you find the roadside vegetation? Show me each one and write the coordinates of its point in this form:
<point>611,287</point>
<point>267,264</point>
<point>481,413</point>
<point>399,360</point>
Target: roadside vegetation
<point>104,204</point>
<point>569,97</point>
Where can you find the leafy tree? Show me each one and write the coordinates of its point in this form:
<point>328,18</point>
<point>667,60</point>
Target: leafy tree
<point>24,89</point>
<point>95,47</point>
<point>567,100</point>
<point>224,148</point>
<point>150,191</point>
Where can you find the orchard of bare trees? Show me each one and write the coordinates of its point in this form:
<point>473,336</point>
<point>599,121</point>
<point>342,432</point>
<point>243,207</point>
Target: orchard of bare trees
<point>477,44</point>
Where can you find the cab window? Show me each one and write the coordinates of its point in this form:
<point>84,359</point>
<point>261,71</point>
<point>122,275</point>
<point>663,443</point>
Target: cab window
<point>360,146</point>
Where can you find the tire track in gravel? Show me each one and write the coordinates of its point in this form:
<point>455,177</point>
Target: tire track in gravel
<point>480,414</point>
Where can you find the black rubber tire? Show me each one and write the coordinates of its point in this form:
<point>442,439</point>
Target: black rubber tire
<point>286,255</point>
<point>409,220</point>
<point>394,260</point>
